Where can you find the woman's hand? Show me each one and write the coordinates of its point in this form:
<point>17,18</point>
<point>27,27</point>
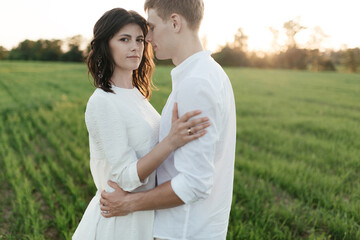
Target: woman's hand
<point>183,131</point>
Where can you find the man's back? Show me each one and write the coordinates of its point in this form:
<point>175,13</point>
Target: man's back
<point>201,172</point>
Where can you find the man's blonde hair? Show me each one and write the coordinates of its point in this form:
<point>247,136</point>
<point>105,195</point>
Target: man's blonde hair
<point>191,10</point>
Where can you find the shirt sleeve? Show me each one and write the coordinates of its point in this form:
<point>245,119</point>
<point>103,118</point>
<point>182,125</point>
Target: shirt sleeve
<point>195,160</point>
<point>107,128</point>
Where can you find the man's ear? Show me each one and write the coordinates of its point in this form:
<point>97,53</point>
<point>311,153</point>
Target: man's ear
<point>176,21</point>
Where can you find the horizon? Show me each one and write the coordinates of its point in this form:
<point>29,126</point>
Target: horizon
<point>40,19</point>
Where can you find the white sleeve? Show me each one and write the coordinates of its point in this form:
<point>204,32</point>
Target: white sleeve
<point>107,127</point>
<point>195,160</point>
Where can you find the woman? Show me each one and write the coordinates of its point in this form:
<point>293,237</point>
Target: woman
<point>123,126</point>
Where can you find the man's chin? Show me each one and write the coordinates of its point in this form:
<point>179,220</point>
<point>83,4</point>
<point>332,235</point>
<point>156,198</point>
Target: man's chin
<point>161,57</point>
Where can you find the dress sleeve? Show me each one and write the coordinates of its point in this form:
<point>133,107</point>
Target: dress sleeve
<point>107,128</point>
<point>195,160</point>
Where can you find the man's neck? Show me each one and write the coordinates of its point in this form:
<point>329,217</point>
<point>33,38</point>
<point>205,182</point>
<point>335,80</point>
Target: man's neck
<point>188,47</point>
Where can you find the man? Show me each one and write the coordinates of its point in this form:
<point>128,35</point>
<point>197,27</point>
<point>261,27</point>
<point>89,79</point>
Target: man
<point>194,192</point>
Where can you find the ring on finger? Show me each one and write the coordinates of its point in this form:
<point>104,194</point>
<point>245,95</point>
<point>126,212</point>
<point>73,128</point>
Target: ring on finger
<point>189,131</point>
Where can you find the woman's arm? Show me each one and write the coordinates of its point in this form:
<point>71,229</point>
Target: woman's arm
<point>177,137</point>
<point>109,141</point>
<point>108,130</point>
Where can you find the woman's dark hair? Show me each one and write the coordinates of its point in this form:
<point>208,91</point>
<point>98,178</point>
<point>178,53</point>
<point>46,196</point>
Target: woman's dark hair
<point>100,61</point>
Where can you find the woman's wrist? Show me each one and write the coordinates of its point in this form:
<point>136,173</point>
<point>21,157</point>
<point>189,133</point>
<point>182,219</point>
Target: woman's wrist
<point>168,143</point>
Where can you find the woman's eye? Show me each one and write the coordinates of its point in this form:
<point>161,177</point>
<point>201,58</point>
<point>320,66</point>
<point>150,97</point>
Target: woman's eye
<point>140,40</point>
<point>124,39</point>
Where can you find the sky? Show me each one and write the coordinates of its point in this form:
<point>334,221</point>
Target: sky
<point>47,19</point>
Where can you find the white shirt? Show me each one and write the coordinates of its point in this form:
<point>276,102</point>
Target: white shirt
<point>123,127</point>
<point>201,172</point>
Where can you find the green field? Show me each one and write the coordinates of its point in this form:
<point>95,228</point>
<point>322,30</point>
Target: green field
<point>297,170</point>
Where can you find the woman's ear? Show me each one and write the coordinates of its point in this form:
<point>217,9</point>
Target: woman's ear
<point>176,21</point>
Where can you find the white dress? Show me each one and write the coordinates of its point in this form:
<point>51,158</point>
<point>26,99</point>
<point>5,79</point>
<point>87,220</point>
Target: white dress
<point>123,127</point>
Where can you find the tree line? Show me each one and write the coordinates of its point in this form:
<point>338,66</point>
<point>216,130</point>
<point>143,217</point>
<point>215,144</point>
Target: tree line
<point>290,55</point>
<point>236,53</point>
<point>47,50</point>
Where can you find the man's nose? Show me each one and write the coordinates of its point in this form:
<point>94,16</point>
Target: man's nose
<point>148,37</point>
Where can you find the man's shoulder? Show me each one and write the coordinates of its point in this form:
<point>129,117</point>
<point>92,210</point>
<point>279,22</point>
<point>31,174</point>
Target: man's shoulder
<point>207,67</point>
<point>205,73</point>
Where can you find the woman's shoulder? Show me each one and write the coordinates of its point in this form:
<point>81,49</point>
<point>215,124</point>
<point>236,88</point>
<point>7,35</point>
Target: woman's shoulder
<point>99,98</point>
<point>99,95</point>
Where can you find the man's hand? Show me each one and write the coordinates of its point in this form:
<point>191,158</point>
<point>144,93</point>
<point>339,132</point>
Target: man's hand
<point>114,203</point>
<point>121,203</point>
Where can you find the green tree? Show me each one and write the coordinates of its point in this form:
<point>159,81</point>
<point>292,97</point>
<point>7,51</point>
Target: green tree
<point>292,28</point>
<point>4,53</point>
<point>50,50</point>
<point>296,58</point>
<point>316,60</point>
<point>25,50</point>
<point>74,54</point>
<point>274,43</point>
<point>326,65</point>
<point>230,57</point>
<point>235,53</point>
<point>240,41</point>
<point>352,59</point>
<point>45,50</point>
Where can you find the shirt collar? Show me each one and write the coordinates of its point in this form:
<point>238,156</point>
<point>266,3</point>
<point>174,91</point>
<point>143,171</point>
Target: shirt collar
<point>180,70</point>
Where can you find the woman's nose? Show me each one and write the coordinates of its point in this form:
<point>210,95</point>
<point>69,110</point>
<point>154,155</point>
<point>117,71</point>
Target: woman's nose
<point>134,46</point>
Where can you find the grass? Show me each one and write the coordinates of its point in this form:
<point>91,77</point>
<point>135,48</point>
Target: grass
<point>297,155</point>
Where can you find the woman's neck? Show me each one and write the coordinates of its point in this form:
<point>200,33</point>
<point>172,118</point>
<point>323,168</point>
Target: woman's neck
<point>122,79</point>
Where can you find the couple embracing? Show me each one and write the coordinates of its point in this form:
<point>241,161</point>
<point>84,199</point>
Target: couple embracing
<point>158,178</point>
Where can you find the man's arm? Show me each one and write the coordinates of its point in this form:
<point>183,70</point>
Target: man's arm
<point>194,162</point>
<point>148,164</point>
<point>120,203</point>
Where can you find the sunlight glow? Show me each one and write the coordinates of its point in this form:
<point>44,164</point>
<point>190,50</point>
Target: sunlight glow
<point>20,20</point>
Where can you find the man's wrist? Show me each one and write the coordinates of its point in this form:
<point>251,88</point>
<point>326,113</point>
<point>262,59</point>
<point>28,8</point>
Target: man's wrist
<point>133,201</point>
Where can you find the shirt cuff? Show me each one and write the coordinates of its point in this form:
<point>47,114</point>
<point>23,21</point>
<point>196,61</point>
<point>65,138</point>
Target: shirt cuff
<point>181,190</point>
<point>129,180</point>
